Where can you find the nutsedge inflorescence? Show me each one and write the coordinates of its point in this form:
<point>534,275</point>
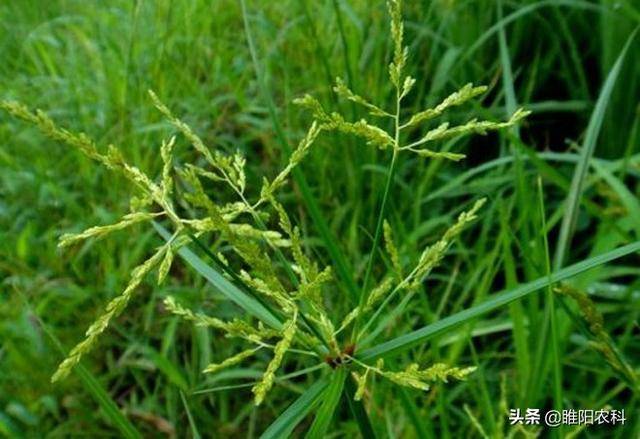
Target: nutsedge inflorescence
<point>264,249</point>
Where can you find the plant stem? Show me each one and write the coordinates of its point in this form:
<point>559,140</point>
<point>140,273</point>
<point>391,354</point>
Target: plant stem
<point>378,233</point>
<point>381,214</point>
<point>553,323</point>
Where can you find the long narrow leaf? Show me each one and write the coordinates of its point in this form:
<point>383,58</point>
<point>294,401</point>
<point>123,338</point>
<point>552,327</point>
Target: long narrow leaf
<point>331,397</point>
<point>194,428</point>
<point>627,198</point>
<point>419,336</point>
<point>287,421</point>
<point>233,293</point>
<point>521,12</point>
<point>577,183</point>
<point>422,426</point>
<point>357,410</point>
<point>107,404</point>
<point>93,386</point>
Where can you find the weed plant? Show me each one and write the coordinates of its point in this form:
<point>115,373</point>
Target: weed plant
<point>296,314</point>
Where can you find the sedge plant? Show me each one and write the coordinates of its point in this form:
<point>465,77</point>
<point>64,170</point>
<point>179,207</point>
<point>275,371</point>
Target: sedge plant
<point>261,261</point>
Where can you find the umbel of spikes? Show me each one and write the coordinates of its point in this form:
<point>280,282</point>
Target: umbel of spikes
<point>376,136</point>
<point>271,261</point>
<point>240,223</point>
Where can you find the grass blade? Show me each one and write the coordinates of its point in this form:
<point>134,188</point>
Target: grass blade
<point>589,145</point>
<point>407,341</point>
<point>627,198</point>
<point>516,309</point>
<point>507,72</point>
<point>194,428</point>
<point>553,319</point>
<point>107,404</point>
<point>422,427</point>
<point>331,398</point>
<point>528,9</point>
<point>376,239</point>
<point>345,46</point>
<point>233,293</point>
<point>167,368</point>
<point>287,421</point>
<point>93,386</point>
<point>358,411</point>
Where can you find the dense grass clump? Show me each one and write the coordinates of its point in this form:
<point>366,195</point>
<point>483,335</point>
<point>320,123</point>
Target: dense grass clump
<point>273,251</point>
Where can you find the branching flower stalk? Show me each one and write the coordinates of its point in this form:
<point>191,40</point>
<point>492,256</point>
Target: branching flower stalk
<point>264,250</point>
<point>225,220</point>
<point>377,136</point>
<point>412,375</point>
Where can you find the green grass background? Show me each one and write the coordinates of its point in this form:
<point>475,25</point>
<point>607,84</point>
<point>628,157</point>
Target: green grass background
<point>89,65</point>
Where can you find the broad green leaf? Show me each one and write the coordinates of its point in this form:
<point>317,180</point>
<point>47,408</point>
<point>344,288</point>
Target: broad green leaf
<point>419,336</point>
<point>7,428</point>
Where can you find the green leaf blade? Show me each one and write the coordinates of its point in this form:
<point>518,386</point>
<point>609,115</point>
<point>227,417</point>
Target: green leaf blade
<point>107,404</point>
<point>296,412</point>
<point>326,412</point>
<point>414,338</point>
<point>586,154</point>
<point>229,290</point>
